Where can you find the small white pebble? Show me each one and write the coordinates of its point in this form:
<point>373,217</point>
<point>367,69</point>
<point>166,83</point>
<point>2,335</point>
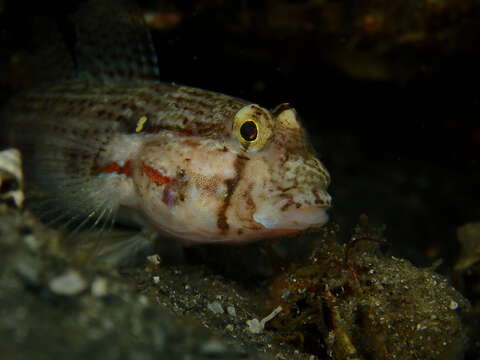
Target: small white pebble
<point>32,242</point>
<point>99,287</point>
<point>154,259</point>
<point>420,327</point>
<point>69,284</point>
<point>142,299</point>
<point>256,326</point>
<point>213,348</point>
<point>11,168</point>
<point>231,311</point>
<point>453,305</point>
<point>285,294</point>
<point>156,279</point>
<point>216,307</point>
<point>187,287</point>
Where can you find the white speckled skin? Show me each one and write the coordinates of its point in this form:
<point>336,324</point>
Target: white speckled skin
<point>221,192</point>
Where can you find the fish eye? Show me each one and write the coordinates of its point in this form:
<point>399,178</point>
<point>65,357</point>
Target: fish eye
<point>252,127</point>
<point>249,130</point>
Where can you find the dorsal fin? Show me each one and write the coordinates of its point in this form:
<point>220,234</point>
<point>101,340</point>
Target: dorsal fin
<point>113,42</point>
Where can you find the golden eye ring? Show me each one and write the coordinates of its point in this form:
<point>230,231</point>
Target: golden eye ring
<point>252,127</point>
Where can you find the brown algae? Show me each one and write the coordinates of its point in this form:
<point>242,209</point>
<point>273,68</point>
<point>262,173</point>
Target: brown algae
<point>369,306</point>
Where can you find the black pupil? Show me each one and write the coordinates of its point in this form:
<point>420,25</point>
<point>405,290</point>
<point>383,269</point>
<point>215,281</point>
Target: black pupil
<point>248,131</point>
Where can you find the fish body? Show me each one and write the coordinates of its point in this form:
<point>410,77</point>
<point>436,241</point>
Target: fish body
<point>194,164</point>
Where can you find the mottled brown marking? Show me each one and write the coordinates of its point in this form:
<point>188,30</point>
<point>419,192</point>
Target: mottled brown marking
<point>318,200</point>
<point>186,132</point>
<point>190,107</point>
<point>283,190</point>
<point>287,205</point>
<point>280,108</point>
<point>239,165</point>
<point>250,203</point>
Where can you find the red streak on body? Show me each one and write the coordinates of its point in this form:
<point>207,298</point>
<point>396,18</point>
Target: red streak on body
<point>191,143</point>
<point>115,168</point>
<point>155,175</point>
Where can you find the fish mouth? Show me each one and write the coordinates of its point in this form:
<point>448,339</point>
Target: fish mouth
<point>306,217</point>
<point>294,219</point>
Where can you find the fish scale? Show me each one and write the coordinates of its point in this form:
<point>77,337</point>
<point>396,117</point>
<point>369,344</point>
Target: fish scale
<point>194,164</point>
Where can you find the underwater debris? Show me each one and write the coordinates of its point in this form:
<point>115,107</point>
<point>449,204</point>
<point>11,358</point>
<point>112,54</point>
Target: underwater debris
<point>216,308</point>
<point>231,311</point>
<point>469,238</point>
<point>256,326</point>
<point>11,177</point>
<point>376,307</point>
<point>467,269</point>
<point>154,259</point>
<point>466,274</point>
<point>99,287</point>
<point>69,284</point>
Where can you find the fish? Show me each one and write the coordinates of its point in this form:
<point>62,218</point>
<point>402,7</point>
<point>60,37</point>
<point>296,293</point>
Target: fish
<point>104,139</point>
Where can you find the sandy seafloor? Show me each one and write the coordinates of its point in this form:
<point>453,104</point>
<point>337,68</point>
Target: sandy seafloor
<point>391,105</point>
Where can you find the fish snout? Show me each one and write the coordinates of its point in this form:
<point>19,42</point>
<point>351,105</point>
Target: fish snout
<point>322,198</point>
<point>304,217</point>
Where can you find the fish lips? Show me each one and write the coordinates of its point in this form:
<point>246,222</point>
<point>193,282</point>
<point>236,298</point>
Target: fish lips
<point>293,219</point>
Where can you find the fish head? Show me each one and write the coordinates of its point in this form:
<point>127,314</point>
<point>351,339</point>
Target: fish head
<point>283,185</point>
<point>259,178</point>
